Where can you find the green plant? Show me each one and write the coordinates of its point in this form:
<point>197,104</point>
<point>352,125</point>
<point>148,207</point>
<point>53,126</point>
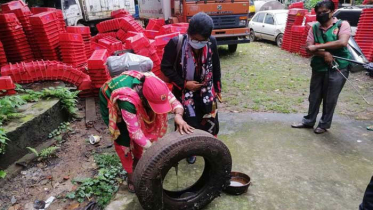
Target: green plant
<point>104,184</point>
<point>9,105</point>
<point>3,141</point>
<point>2,174</point>
<point>61,129</point>
<point>310,4</point>
<point>45,153</point>
<point>33,150</point>
<point>48,152</point>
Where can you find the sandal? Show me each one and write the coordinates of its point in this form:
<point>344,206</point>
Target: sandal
<point>131,187</point>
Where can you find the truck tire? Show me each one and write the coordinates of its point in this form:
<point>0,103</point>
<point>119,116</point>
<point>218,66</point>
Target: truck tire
<point>232,48</point>
<point>166,153</point>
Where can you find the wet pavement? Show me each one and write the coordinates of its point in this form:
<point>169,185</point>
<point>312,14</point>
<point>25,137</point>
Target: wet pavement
<point>290,169</point>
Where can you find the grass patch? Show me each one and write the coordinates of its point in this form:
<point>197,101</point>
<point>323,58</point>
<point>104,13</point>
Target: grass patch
<point>103,186</point>
<point>261,77</point>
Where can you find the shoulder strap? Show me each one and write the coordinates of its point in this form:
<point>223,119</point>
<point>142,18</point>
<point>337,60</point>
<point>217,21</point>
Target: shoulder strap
<point>178,48</point>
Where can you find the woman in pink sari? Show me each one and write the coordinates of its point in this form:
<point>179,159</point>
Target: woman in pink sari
<point>135,105</point>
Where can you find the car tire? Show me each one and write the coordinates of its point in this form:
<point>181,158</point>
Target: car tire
<point>279,40</point>
<point>232,48</point>
<point>166,153</point>
<point>252,35</point>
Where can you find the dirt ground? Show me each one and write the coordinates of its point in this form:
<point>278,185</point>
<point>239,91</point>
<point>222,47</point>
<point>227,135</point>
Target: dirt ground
<point>40,180</point>
<point>259,77</point>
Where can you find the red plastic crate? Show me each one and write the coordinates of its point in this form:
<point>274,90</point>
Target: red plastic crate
<point>6,83</point>
<point>108,25</point>
<point>71,37</point>
<point>119,13</point>
<point>12,5</point>
<point>164,39</point>
<point>79,30</point>
<point>155,24</point>
<point>43,18</point>
<point>97,59</point>
<point>137,42</point>
<point>151,34</point>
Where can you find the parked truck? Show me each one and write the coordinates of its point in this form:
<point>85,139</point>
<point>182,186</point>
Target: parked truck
<point>229,16</point>
<point>87,12</point>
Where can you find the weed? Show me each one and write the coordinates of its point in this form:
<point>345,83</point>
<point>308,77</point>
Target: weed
<point>3,141</point>
<point>48,152</point>
<point>2,174</point>
<point>45,153</point>
<point>33,150</point>
<point>64,127</point>
<point>104,184</point>
<point>9,105</point>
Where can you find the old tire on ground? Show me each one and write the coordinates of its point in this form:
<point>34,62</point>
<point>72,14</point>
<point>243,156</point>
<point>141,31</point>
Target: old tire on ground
<point>232,48</point>
<point>164,154</point>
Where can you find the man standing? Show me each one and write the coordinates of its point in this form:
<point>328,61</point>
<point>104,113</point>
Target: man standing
<point>328,37</point>
<point>367,203</point>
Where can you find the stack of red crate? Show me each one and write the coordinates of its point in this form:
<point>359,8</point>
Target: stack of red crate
<point>364,33</point>
<point>119,13</point>
<point>111,44</point>
<point>7,87</point>
<point>103,35</point>
<point>26,72</point>
<point>303,51</point>
<point>14,39</point>
<point>72,49</point>
<point>298,38</point>
<point>295,17</point>
<point>310,18</point>
<point>299,5</point>
<point>129,24</point>
<point>86,35</point>
<point>23,14</point>
<point>3,60</point>
<point>336,3</point>
<point>47,31</point>
<point>97,69</point>
<point>37,10</point>
<point>109,25</point>
<point>155,24</point>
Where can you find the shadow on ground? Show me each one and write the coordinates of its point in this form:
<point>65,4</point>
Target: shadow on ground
<point>290,168</point>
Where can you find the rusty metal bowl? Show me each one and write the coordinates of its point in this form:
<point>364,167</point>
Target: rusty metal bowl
<point>239,183</point>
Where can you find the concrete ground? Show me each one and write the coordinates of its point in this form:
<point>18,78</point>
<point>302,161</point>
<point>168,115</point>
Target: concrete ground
<point>291,169</point>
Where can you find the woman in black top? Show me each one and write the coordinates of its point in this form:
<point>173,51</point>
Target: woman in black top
<point>195,73</point>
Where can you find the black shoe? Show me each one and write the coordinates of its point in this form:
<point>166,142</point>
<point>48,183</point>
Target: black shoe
<point>319,130</point>
<point>300,125</point>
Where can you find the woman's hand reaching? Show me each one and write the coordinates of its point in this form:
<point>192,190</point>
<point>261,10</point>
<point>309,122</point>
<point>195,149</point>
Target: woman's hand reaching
<point>182,126</point>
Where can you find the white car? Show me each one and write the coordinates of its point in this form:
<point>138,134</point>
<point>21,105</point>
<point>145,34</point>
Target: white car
<point>269,25</point>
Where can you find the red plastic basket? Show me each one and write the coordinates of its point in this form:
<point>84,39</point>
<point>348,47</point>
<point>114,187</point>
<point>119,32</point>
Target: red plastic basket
<point>12,5</point>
